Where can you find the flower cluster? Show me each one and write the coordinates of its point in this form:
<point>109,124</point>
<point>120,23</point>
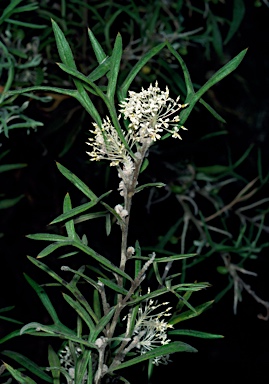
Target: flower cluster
<point>153,329</point>
<point>68,363</point>
<point>150,112</point>
<point>106,144</point>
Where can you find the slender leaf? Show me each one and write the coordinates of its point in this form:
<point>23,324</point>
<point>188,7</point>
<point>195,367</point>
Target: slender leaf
<point>101,324</point>
<point>70,227</point>
<point>55,365</point>
<point>19,376</point>
<point>47,237</point>
<point>9,167</point>
<point>44,298</point>
<point>238,15</point>
<point>115,67</point>
<point>189,314</point>
<point>28,364</point>
<point>191,332</point>
<point>98,50</point>
<point>51,248</point>
<point>122,93</point>
<point>7,203</point>
<point>167,349</point>
<point>113,286</point>
<point>77,182</point>
<point>101,259</point>
<point>80,311</point>
<point>63,47</point>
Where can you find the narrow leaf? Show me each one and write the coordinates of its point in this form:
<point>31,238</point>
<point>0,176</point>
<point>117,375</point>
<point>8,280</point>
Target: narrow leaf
<point>28,364</point>
<point>115,67</point>
<point>19,376</point>
<point>63,47</point>
<point>77,182</point>
<point>98,50</point>
<point>191,332</point>
<point>44,298</point>
<point>69,225</point>
<point>55,365</point>
<point>167,349</point>
<point>113,286</point>
<point>122,93</point>
<point>80,311</point>
<point>189,314</point>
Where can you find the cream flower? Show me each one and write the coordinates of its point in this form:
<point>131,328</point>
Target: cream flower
<point>152,328</point>
<point>151,112</point>
<point>106,144</point>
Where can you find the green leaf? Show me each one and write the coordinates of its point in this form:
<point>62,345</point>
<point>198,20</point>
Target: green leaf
<point>9,10</point>
<point>47,237</point>
<point>156,185</point>
<point>80,311</point>
<point>101,70</point>
<point>74,212</point>
<point>77,182</point>
<point>55,365</point>
<point>10,336</point>
<point>238,15</point>
<point>186,74</point>
<point>82,365</point>
<point>101,324</point>
<point>161,291</point>
<point>63,47</point>
<point>101,259</point>
<point>122,93</point>
<point>115,67</point>
<point>191,332</point>
<point>73,289</point>
<point>216,35</point>
<point>212,111</point>
<point>37,329</point>
<point>9,167</point>
<point>166,259</point>
<point>7,203</point>
<point>44,298</point>
<point>221,73</point>
<point>97,304</point>
<point>28,364</point>
<point>98,50</point>
<point>19,376</point>
<point>51,248</point>
<point>176,346</point>
<point>218,76</point>
<point>69,225</point>
<point>189,314</point>
<point>113,286</point>
<point>213,169</point>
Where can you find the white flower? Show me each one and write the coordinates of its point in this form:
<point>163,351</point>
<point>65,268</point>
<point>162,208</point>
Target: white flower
<point>150,112</point>
<point>106,144</point>
<point>152,328</point>
<point>68,362</point>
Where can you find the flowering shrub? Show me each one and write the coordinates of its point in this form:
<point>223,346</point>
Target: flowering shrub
<point>120,326</point>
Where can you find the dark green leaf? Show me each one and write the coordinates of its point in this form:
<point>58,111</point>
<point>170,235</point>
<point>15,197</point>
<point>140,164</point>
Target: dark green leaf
<point>44,298</point>
<point>19,376</point>
<point>191,332</point>
<point>167,349</point>
<point>28,364</point>
<point>238,15</point>
<point>55,365</point>
<point>115,67</point>
<point>63,47</point>
<point>77,182</point>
